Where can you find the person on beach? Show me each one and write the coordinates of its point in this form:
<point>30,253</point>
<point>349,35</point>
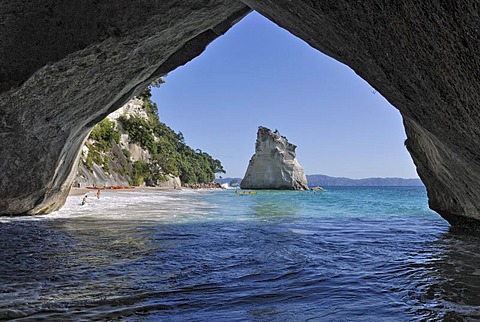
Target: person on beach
<point>84,200</point>
<point>97,194</point>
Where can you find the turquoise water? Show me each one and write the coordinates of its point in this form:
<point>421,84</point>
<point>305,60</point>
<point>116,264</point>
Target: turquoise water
<point>344,254</point>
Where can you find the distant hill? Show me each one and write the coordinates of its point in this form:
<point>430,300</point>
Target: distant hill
<point>326,181</point>
<point>323,180</point>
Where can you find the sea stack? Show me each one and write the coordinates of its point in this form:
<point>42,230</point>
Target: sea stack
<point>274,166</point>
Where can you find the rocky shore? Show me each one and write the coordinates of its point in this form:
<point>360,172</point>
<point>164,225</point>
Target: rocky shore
<point>213,185</point>
<point>74,191</point>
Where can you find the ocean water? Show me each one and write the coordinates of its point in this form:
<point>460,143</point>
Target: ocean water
<point>343,254</point>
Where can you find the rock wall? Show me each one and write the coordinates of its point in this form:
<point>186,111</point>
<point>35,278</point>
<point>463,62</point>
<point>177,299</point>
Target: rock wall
<point>274,166</point>
<point>65,66</point>
<point>117,160</point>
<point>98,177</point>
<point>119,166</point>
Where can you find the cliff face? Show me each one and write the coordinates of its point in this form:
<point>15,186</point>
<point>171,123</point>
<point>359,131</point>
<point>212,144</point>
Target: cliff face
<point>64,67</point>
<point>274,166</point>
<point>114,164</point>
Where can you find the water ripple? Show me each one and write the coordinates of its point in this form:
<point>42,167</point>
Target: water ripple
<point>216,257</point>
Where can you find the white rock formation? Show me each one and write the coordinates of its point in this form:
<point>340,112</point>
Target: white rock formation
<point>117,160</point>
<point>274,166</point>
<point>134,107</point>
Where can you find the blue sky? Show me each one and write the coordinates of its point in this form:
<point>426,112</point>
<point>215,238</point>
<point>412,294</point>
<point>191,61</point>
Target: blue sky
<point>259,74</point>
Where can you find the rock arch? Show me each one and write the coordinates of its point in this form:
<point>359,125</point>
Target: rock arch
<point>65,66</point>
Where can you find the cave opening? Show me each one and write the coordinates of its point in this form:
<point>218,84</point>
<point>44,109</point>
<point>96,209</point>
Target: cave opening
<point>260,74</point>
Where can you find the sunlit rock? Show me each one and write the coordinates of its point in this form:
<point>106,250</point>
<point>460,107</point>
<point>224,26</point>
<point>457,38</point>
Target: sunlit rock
<point>274,166</point>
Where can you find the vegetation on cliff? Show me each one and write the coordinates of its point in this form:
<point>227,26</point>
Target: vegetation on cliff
<point>168,152</point>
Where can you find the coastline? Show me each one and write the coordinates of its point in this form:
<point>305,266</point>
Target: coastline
<point>74,191</point>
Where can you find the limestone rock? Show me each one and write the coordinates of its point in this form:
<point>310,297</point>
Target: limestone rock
<point>133,107</point>
<point>64,67</point>
<point>119,165</point>
<point>117,161</point>
<point>171,182</point>
<point>274,166</point>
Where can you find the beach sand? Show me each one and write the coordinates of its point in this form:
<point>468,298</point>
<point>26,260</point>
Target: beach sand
<point>82,191</point>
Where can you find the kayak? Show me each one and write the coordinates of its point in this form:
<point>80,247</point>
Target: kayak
<point>245,192</point>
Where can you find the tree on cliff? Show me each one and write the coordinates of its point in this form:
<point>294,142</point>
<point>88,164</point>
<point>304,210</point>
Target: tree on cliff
<point>168,149</point>
<point>169,154</point>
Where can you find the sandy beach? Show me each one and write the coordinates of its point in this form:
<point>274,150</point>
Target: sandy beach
<point>81,191</point>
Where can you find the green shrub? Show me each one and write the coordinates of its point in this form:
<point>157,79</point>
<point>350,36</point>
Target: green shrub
<point>127,153</point>
<point>169,152</point>
<point>141,173</point>
<point>96,156</point>
<point>89,162</point>
<point>106,134</point>
<point>139,131</point>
